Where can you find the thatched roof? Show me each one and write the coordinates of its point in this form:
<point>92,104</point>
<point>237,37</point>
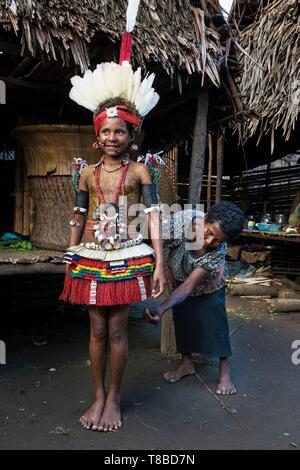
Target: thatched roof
<point>269,82</point>
<point>179,34</point>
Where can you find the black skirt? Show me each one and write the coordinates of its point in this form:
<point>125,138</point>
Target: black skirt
<point>201,325</point>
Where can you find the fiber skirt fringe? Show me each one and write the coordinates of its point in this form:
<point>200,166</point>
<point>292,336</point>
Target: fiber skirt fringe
<point>105,283</point>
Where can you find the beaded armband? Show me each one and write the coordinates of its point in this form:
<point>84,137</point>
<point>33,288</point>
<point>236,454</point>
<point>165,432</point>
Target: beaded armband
<point>82,202</point>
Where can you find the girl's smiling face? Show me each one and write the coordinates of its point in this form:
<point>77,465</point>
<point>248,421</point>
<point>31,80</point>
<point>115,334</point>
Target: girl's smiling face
<point>115,137</point>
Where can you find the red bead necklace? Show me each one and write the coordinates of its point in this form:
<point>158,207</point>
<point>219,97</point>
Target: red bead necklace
<point>117,193</point>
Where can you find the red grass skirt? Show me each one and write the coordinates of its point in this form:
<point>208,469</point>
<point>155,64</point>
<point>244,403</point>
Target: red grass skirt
<point>88,289</point>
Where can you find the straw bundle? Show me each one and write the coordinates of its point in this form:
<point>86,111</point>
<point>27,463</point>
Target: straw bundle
<point>173,33</point>
<point>270,80</point>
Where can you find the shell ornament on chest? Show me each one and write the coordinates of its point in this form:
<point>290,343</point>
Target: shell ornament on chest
<point>111,229</point>
<point>111,226</point>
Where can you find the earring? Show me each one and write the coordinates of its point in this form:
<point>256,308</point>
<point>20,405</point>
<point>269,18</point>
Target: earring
<point>97,145</point>
<point>134,147</point>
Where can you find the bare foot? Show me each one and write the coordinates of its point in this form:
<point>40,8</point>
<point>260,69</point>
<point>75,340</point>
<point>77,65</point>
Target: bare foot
<point>177,374</point>
<point>225,386</point>
<point>91,419</point>
<point>111,417</point>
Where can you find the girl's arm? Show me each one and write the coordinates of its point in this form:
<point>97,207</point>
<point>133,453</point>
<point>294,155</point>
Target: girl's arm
<point>178,295</point>
<point>155,232</point>
<point>76,231</point>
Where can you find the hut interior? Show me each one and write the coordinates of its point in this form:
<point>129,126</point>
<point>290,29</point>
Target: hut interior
<point>268,85</point>
<point>43,45</point>
<point>187,43</point>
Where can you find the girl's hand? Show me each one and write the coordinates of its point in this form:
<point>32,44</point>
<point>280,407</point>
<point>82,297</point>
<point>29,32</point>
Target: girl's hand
<point>159,282</point>
<point>152,316</point>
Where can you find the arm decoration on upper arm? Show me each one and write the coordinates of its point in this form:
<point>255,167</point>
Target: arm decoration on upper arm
<point>82,201</point>
<point>82,204</point>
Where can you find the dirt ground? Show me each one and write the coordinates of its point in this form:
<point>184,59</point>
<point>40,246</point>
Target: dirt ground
<point>46,386</point>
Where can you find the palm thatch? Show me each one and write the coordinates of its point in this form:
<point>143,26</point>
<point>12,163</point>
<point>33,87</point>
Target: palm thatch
<point>269,83</point>
<point>179,34</point>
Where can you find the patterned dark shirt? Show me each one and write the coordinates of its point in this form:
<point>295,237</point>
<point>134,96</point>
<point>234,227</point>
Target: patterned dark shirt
<point>181,261</point>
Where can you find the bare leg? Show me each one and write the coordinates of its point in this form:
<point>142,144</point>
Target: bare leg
<point>225,386</point>
<point>186,368</point>
<point>97,350</point>
<point>118,340</point>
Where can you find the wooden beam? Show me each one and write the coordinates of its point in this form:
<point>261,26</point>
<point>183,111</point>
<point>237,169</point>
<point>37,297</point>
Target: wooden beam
<point>234,92</point>
<point>174,104</point>
<point>209,172</point>
<point>21,66</point>
<point>266,191</point>
<point>198,152</point>
<point>50,88</point>
<point>231,117</point>
<point>19,190</point>
<point>220,161</point>
<point>8,48</point>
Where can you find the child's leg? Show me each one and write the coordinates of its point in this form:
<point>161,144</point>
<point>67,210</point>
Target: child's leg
<point>186,368</point>
<point>97,350</point>
<point>118,340</point>
<point>225,386</point>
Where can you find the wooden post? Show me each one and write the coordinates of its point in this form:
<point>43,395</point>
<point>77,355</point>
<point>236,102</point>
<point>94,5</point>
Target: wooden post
<point>266,191</point>
<point>209,172</point>
<point>198,152</point>
<point>19,191</point>
<point>220,158</point>
<point>27,206</point>
<point>168,341</point>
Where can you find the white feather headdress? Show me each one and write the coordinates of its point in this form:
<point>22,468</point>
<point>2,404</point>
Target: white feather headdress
<point>111,80</point>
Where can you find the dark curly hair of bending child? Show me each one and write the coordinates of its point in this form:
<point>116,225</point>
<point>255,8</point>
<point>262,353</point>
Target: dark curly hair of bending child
<point>229,216</point>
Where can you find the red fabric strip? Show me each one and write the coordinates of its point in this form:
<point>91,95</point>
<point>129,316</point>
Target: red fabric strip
<point>126,46</point>
<point>122,113</point>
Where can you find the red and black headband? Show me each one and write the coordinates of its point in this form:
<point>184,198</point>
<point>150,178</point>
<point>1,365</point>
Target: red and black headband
<point>119,111</point>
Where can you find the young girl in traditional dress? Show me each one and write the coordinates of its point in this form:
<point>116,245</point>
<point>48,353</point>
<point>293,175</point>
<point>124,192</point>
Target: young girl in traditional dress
<point>109,265</point>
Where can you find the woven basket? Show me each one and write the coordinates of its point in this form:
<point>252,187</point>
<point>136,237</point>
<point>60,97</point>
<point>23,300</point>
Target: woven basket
<point>49,151</point>
<point>53,201</point>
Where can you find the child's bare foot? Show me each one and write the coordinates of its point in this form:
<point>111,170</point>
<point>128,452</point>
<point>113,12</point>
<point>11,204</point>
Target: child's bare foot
<point>91,419</point>
<point>225,386</point>
<point>185,368</point>
<point>111,417</point>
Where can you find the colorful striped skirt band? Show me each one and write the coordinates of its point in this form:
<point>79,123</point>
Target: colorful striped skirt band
<point>107,282</point>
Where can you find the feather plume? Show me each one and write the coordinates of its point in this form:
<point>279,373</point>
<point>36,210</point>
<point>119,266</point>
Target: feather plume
<point>110,80</point>
<point>131,14</point>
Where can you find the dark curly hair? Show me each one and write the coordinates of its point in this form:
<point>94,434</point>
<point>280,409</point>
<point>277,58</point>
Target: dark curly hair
<point>229,216</point>
<point>111,102</point>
